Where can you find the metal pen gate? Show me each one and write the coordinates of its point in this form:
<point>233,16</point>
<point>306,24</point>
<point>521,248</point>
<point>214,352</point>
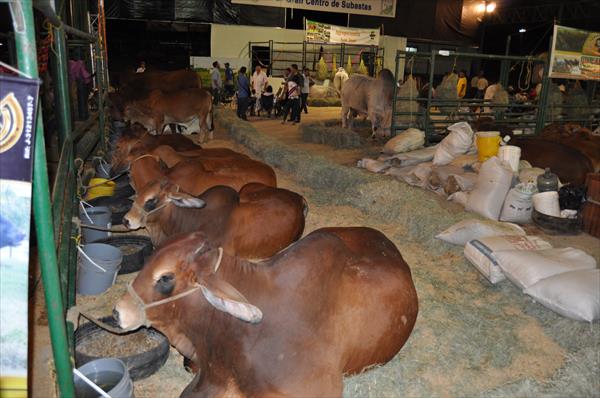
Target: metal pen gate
<point>282,54</point>
<point>433,115</point>
<point>53,213</point>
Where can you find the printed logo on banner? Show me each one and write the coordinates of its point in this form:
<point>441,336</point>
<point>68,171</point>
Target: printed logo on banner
<point>11,122</point>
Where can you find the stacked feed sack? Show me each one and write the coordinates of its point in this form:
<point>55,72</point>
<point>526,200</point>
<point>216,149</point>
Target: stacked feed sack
<point>447,91</point>
<point>408,89</point>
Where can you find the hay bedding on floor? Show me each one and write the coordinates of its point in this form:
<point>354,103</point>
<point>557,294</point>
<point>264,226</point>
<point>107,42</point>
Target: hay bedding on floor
<point>471,338</point>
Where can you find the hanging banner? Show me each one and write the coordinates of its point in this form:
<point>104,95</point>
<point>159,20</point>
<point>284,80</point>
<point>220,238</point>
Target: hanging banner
<point>380,8</point>
<point>18,110</point>
<point>575,54</point>
<point>317,32</point>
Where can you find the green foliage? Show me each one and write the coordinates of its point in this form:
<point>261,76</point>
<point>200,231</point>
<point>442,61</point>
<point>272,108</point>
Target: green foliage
<point>362,68</point>
<point>322,70</point>
<point>349,69</point>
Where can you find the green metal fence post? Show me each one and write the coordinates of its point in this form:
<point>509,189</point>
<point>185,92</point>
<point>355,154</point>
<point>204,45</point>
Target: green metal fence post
<point>22,14</point>
<point>101,91</point>
<point>426,127</point>
<point>62,87</point>
<point>540,121</point>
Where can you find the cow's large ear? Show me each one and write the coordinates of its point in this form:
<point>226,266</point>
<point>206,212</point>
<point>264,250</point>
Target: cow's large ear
<point>182,199</point>
<point>226,298</point>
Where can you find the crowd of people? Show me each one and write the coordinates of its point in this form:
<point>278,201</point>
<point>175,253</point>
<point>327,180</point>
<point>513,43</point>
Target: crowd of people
<point>255,96</point>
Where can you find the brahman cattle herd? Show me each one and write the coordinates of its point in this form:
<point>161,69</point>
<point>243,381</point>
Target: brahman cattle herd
<point>257,309</point>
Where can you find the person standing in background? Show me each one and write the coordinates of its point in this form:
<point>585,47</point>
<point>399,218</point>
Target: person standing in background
<point>229,86</point>
<point>482,85</point>
<point>293,96</point>
<point>259,84</point>
<point>243,94</point>
<point>461,86</point>
<point>305,90</point>
<point>473,87</point>
<point>216,82</point>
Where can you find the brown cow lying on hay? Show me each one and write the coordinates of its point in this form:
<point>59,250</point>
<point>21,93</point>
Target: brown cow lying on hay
<point>255,223</point>
<point>196,175</point>
<point>365,95</point>
<point>336,302</point>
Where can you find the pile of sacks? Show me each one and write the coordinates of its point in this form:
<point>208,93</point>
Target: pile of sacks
<point>565,280</point>
<point>451,169</point>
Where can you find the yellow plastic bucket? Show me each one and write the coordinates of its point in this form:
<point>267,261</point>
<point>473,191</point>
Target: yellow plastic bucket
<point>100,187</point>
<point>488,143</point>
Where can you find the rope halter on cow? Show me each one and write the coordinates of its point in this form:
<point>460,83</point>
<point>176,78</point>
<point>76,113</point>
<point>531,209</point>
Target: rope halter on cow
<point>145,213</point>
<point>141,306</point>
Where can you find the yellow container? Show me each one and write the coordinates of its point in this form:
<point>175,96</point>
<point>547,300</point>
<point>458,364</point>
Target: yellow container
<point>100,187</point>
<point>488,143</point>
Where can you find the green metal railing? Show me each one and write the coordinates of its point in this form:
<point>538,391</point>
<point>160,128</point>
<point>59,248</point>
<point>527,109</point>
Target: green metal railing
<point>283,54</point>
<point>53,214</point>
<point>435,114</point>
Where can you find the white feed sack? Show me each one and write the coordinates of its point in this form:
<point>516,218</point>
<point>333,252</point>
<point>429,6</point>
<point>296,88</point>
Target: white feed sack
<point>408,89</point>
<point>480,252</point>
<point>518,205</point>
<point>524,268</point>
<point>456,143</point>
<point>467,230</point>
<point>494,181</point>
<point>575,294</point>
<point>408,140</point>
<point>464,182</point>
<point>409,158</point>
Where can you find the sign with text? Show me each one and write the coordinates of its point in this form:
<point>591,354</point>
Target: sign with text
<point>317,32</point>
<point>575,54</point>
<point>18,110</point>
<point>380,8</point>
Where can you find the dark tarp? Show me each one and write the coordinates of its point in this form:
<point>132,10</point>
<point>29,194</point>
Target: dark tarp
<point>423,19</point>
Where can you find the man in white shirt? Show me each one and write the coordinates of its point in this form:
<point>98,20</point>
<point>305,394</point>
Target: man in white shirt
<point>305,90</point>
<point>259,84</point>
<point>216,82</point>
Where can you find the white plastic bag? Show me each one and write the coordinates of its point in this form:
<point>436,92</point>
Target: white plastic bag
<point>374,166</point>
<point>518,205</point>
<point>480,252</point>
<point>493,183</point>
<point>459,197</point>
<point>524,268</point>
<point>575,294</point>
<point>456,143</point>
<point>530,175</point>
<point>460,182</point>
<point>467,230</point>
<point>408,140</point>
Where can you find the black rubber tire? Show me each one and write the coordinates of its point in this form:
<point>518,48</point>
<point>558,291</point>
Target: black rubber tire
<point>140,365</point>
<point>118,206</point>
<point>134,261</point>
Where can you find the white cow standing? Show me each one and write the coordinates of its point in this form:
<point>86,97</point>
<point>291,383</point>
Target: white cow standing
<point>339,79</point>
